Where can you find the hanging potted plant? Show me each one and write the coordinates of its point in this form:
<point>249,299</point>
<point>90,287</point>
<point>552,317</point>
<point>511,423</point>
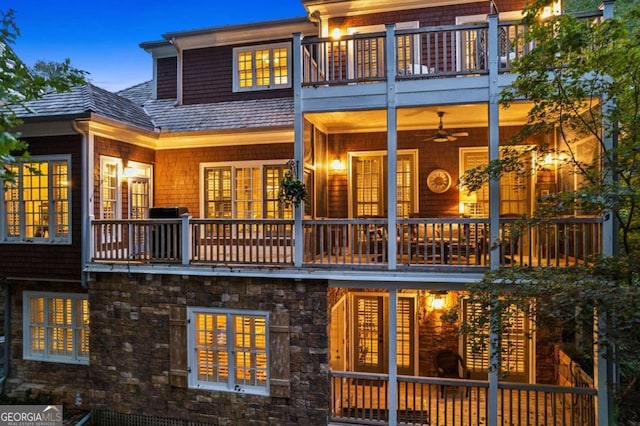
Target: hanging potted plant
<point>292,189</point>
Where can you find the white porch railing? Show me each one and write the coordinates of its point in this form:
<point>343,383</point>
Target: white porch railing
<point>362,399</point>
<point>346,243</point>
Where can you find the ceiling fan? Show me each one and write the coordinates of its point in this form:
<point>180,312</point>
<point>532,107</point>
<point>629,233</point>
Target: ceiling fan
<point>444,136</point>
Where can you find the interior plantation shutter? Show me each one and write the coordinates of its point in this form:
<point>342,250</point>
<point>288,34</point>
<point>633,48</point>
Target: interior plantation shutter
<point>178,346</point>
<point>279,355</point>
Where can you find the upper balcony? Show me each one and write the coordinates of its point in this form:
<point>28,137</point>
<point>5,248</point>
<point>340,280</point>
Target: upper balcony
<point>340,245</point>
<point>437,57</point>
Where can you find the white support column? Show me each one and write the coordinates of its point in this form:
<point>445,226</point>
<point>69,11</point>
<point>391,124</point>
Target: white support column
<point>392,403</point>
<point>392,146</point>
<point>603,362</point>
<point>494,210</point>
<point>494,139</point>
<point>298,144</point>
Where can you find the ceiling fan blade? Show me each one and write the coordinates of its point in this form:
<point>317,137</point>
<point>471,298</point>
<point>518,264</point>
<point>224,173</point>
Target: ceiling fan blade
<point>460,134</point>
<point>440,138</point>
<point>451,138</point>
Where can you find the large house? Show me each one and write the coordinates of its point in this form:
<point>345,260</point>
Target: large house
<point>153,275</point>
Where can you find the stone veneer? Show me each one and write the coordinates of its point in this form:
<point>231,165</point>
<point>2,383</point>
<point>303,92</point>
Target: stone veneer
<point>130,348</point>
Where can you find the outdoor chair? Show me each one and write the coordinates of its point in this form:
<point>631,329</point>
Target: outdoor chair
<point>450,364</point>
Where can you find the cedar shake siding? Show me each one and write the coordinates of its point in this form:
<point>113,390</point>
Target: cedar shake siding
<point>432,16</point>
<point>177,172</point>
<point>208,77</point>
<point>430,156</point>
<point>50,261</point>
<point>167,78</point>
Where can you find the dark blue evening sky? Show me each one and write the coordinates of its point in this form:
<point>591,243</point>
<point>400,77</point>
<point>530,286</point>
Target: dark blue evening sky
<point>103,37</point>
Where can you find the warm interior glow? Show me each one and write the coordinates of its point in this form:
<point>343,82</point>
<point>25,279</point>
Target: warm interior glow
<point>336,33</point>
<point>554,9</point>
<point>466,200</point>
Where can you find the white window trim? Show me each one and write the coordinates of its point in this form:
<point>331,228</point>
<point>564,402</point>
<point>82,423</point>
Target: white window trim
<point>350,173</point>
<point>271,86</point>
<point>26,329</point>
<point>229,386</point>
<point>104,160</point>
<point>233,165</point>
<point>51,239</point>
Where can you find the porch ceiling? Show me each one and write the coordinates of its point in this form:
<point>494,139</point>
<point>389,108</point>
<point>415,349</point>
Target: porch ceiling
<point>456,117</point>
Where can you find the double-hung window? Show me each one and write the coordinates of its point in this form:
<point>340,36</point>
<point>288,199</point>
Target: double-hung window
<point>261,67</point>
<point>37,205</point>
<point>228,350</point>
<point>56,327</point>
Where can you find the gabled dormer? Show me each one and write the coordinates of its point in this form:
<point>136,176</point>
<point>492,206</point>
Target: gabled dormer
<point>228,63</point>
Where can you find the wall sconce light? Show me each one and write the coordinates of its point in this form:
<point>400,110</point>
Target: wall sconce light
<point>336,33</point>
<point>438,300</point>
<point>337,165</point>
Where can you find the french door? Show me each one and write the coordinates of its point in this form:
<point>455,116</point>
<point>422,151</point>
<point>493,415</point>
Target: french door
<point>139,203</point>
<point>371,334</point>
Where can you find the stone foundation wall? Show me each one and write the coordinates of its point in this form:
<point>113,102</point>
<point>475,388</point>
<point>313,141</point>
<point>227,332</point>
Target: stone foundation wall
<point>130,353</point>
<point>42,382</point>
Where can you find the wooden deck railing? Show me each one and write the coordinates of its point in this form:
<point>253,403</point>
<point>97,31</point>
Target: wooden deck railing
<point>346,243</point>
<point>363,398</point>
<point>427,52</point>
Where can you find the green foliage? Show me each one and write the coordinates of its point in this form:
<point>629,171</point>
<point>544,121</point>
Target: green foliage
<point>18,85</point>
<point>583,80</point>
<point>292,190</point>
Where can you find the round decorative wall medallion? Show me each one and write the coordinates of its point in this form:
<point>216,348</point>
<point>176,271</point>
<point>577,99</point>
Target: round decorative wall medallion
<point>439,181</point>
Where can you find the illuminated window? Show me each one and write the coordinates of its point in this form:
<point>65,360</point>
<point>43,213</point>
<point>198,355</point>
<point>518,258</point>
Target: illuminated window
<point>37,204</point>
<point>228,350</point>
<point>261,67</point>
<point>244,191</point>
<point>56,327</point>
<point>110,177</point>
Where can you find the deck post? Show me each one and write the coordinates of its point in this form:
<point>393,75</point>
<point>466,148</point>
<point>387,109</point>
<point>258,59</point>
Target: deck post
<point>603,364</point>
<point>494,140</point>
<point>186,239</point>
<point>392,146</point>
<point>494,212</point>
<point>392,395</point>
<point>298,146</point>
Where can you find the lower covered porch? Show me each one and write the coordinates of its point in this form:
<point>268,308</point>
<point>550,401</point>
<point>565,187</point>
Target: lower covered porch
<point>398,357</point>
<point>363,399</point>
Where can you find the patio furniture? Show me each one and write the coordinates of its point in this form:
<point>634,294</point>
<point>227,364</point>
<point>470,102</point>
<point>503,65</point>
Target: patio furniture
<point>450,364</point>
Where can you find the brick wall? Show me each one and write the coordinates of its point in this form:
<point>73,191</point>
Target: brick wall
<point>130,354</point>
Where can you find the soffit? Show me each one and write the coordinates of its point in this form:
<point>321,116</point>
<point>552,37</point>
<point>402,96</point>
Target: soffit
<point>456,117</point>
<point>238,34</point>
<point>337,8</point>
